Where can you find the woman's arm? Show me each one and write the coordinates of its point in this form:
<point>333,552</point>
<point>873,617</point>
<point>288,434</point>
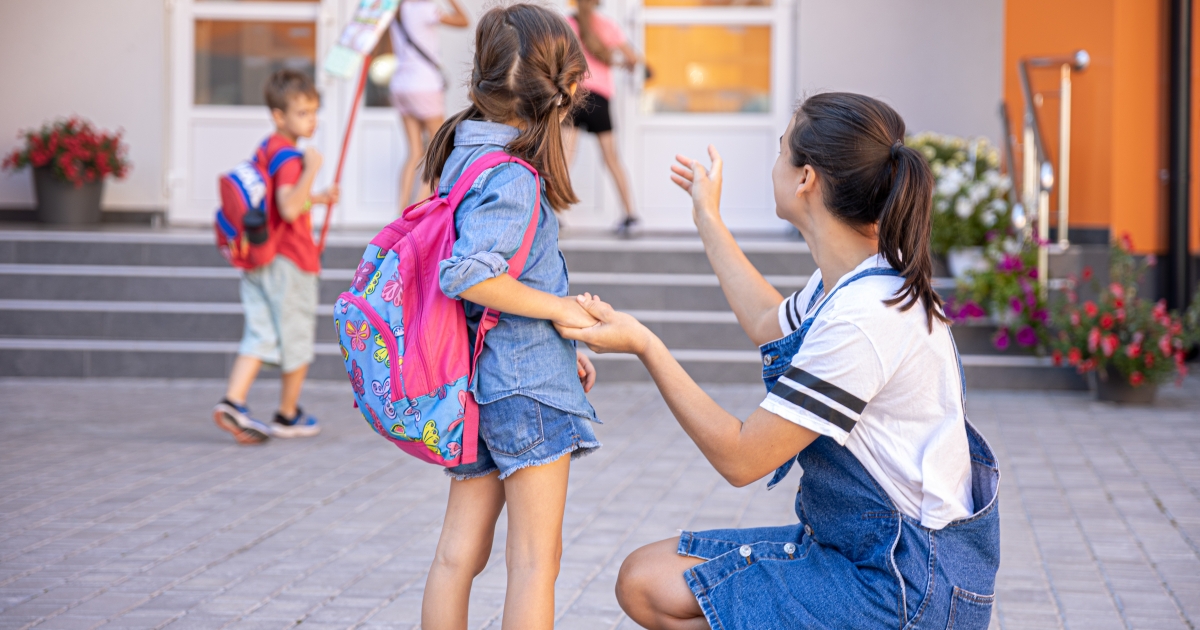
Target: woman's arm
<point>753,299</point>
<point>629,56</point>
<point>458,18</point>
<point>741,451</point>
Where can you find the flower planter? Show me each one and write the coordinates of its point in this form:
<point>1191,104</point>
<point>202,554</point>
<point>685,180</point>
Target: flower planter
<point>960,260</point>
<point>64,203</point>
<point>1115,387</point>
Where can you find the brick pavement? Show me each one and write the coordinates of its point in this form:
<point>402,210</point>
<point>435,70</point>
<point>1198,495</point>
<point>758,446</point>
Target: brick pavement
<point>122,506</point>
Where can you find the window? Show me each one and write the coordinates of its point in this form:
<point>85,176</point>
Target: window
<point>235,58</point>
<point>708,69</point>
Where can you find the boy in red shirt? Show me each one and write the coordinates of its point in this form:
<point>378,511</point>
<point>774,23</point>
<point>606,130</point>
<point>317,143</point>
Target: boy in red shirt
<point>280,298</point>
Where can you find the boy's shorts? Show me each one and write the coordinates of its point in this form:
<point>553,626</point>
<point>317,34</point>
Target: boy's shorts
<point>280,305</point>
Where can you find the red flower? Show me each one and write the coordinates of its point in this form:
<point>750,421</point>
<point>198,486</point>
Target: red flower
<point>1109,344</point>
<point>1106,321</point>
<point>1126,242</point>
<point>1133,350</point>
<point>1057,358</point>
<point>1089,307</point>
<point>1136,379</point>
<point>1119,303</point>
<point>1149,360</point>
<point>1121,315</point>
<point>1165,345</point>
<point>1087,273</point>
<point>1117,290</point>
<point>1160,309</point>
<point>1074,356</point>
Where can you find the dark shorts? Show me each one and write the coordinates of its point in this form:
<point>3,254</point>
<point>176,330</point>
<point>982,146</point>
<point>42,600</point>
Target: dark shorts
<point>592,114</point>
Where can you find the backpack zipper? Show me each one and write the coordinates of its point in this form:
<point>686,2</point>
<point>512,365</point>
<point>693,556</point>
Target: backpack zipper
<point>389,340</point>
<point>420,311</point>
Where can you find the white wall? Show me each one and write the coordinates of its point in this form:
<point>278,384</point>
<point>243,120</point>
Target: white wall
<point>101,60</point>
<point>937,62</point>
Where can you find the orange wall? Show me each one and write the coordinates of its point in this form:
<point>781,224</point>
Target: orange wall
<point>1118,111</point>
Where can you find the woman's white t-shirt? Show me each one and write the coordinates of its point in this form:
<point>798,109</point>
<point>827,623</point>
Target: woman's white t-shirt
<point>873,378</point>
<point>413,72</point>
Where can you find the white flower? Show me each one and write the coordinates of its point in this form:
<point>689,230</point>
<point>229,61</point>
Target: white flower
<point>963,208</point>
<point>989,216</point>
<point>941,205</point>
<point>1011,246</point>
<point>978,192</point>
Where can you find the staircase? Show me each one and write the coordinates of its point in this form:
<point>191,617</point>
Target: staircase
<point>164,304</point>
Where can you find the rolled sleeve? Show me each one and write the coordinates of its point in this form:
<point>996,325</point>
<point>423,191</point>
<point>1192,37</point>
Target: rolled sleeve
<point>491,222</point>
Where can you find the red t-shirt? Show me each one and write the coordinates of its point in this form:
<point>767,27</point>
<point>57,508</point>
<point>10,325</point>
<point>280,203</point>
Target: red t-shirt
<point>293,238</point>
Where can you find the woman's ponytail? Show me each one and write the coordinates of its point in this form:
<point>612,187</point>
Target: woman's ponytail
<point>904,231</point>
<point>869,178</point>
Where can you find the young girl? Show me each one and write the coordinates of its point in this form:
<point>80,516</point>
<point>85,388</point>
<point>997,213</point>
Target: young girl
<point>898,522</point>
<point>530,382</point>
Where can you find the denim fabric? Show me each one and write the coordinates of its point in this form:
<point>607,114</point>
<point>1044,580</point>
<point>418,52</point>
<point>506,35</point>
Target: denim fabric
<point>853,560</point>
<point>517,432</point>
<point>521,355</point>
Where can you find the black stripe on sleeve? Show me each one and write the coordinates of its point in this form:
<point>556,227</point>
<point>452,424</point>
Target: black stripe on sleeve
<point>829,390</point>
<point>814,406</point>
<point>788,308</point>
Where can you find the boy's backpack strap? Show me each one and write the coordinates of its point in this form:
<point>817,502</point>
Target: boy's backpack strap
<point>281,157</point>
<point>516,264</point>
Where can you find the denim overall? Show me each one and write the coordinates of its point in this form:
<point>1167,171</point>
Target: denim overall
<point>854,560</point>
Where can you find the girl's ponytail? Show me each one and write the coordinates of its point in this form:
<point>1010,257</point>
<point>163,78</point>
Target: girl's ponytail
<point>904,231</point>
<point>527,59</point>
<point>871,179</point>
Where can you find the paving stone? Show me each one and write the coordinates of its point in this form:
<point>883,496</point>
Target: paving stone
<point>150,516</point>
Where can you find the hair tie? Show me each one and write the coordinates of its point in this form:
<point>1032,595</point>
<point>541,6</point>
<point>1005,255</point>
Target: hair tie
<point>896,149</point>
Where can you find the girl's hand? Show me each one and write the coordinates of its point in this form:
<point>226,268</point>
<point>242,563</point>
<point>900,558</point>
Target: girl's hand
<point>572,315</point>
<point>615,332</point>
<point>703,185</point>
<point>587,371</point>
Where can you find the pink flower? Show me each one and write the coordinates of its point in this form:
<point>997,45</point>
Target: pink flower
<point>1089,307</point>
<point>1093,339</point>
<point>1074,356</point>
<point>1027,336</point>
<point>1106,321</point>
<point>1001,340</point>
<point>1117,290</point>
<point>1133,350</point>
<point>1151,260</point>
<point>1074,318</point>
<point>1017,305</point>
<point>1164,345</point>
<point>1108,344</point>
<point>1136,379</point>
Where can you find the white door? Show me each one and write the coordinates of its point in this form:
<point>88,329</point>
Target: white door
<point>721,73</point>
<point>221,55</point>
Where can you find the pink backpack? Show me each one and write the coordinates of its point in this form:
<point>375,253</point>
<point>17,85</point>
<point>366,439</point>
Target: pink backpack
<point>405,343</point>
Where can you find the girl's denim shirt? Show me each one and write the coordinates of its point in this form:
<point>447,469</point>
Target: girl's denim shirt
<point>521,355</point>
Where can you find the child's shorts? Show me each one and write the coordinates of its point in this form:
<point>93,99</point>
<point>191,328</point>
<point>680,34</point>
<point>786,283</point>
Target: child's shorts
<point>517,432</point>
<point>280,305</point>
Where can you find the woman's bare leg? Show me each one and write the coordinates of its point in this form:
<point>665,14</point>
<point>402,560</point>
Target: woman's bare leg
<point>608,148</point>
<point>462,551</point>
<point>536,499</point>
<point>429,126</point>
<point>416,152</point>
<point>652,591</point>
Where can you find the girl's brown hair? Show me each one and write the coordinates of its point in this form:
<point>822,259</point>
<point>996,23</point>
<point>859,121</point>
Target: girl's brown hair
<point>587,34</point>
<point>856,144</point>
<point>526,59</point>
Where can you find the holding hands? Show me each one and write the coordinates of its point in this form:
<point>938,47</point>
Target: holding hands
<point>614,331</point>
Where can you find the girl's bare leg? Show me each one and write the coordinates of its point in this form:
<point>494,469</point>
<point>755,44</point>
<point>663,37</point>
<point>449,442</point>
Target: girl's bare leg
<point>570,137</point>
<point>462,551</point>
<point>608,148</point>
<point>652,591</point>
<point>416,152</point>
<point>536,499</point>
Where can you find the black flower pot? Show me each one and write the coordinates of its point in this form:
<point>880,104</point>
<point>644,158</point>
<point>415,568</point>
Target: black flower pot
<point>1114,387</point>
<point>64,203</point>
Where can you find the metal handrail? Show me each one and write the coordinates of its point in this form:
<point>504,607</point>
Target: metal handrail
<point>1037,179</point>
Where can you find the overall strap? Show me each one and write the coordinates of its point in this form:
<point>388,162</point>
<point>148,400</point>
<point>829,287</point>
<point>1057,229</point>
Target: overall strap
<point>516,264</point>
<point>873,271</point>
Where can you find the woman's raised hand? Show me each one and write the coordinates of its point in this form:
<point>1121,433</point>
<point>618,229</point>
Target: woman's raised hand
<point>704,185</point>
<point>615,332</point>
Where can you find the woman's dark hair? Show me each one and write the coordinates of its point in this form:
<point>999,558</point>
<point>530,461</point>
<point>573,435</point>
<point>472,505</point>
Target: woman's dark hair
<point>856,144</point>
<point>526,59</point>
<point>587,34</point>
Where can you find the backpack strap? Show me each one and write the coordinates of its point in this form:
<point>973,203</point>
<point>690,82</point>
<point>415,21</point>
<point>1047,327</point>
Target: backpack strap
<point>281,157</point>
<point>516,264</point>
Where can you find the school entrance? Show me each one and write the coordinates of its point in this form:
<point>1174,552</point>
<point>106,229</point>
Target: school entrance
<point>721,72</point>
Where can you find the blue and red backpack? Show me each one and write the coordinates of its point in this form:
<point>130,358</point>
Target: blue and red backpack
<point>246,221</point>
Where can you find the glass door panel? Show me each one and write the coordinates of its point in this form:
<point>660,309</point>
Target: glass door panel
<point>708,69</point>
<point>234,58</point>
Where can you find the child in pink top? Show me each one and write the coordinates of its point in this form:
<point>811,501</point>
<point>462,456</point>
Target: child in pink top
<point>602,39</point>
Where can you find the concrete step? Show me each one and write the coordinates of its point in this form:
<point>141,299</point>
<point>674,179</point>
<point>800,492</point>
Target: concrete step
<point>164,303</point>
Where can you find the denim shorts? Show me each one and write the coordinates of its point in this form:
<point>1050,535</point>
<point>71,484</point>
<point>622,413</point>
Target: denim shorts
<point>517,432</point>
<point>280,306</point>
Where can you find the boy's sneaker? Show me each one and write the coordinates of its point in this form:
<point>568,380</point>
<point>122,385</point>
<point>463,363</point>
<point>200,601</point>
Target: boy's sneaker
<point>302,425</point>
<point>236,420</point>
